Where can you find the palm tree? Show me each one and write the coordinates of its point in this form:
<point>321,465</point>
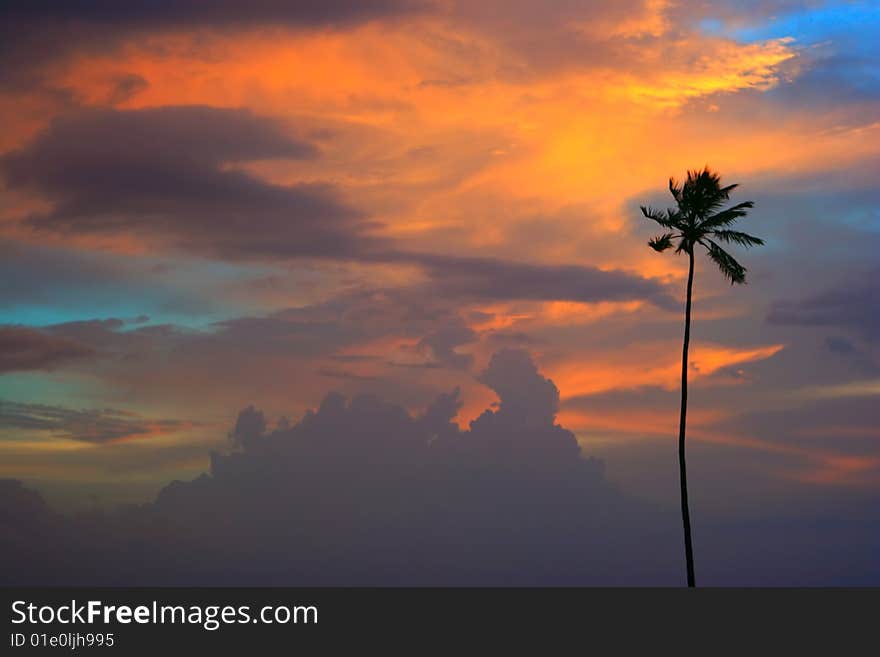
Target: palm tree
<point>698,219</point>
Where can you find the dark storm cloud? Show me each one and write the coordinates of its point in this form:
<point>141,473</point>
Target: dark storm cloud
<point>35,34</point>
<point>853,304</point>
<point>490,278</point>
<point>204,135</point>
<point>27,349</point>
<point>92,426</point>
<point>163,172</point>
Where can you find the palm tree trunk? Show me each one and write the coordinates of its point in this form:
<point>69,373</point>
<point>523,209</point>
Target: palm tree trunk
<point>682,467</point>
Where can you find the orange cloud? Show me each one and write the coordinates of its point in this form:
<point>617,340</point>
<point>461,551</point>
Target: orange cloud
<point>647,364</point>
<point>425,134</point>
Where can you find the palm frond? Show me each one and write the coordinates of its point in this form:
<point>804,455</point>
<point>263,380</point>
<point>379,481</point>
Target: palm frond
<point>704,177</point>
<point>728,216</point>
<point>715,199</point>
<point>666,218</point>
<point>732,270</point>
<point>736,237</point>
<point>661,243</point>
<point>725,191</point>
<point>675,189</point>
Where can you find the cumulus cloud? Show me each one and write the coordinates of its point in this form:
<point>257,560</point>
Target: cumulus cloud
<point>250,425</point>
<point>361,491</point>
<point>439,346</point>
<point>29,528</point>
<point>527,399</point>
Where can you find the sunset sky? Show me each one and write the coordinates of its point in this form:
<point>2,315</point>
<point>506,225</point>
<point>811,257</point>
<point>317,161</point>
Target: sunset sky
<point>263,202</point>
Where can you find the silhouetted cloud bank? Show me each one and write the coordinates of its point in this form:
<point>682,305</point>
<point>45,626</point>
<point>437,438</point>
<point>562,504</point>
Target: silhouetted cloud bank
<point>361,492</point>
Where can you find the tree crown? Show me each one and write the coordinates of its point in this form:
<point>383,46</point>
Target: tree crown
<point>699,217</point>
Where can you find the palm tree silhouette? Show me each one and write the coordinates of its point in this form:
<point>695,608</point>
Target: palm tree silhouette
<point>698,218</point>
